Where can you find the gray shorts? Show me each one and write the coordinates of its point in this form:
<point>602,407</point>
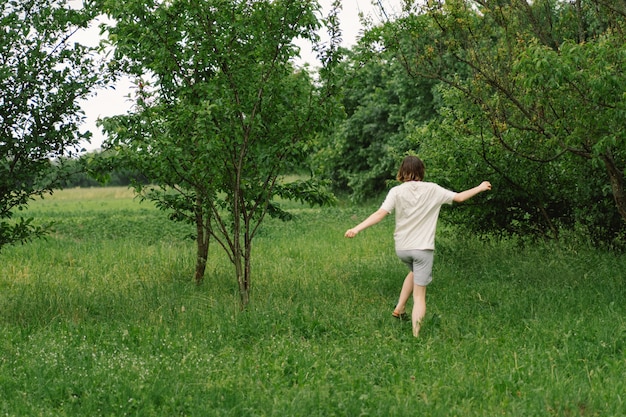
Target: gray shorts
<point>420,262</point>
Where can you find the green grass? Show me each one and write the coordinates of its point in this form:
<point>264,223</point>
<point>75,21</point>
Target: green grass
<point>103,318</point>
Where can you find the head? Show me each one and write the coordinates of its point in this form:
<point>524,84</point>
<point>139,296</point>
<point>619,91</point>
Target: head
<point>412,169</point>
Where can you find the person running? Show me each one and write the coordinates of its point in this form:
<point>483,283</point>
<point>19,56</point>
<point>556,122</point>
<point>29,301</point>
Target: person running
<point>416,204</point>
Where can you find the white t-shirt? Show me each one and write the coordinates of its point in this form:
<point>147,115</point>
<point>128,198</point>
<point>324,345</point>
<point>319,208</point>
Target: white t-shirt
<point>417,206</point>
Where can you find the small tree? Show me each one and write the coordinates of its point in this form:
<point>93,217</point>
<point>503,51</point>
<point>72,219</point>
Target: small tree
<point>226,118</point>
<point>43,76</point>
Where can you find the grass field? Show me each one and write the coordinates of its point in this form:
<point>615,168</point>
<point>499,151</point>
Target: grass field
<point>103,319</point>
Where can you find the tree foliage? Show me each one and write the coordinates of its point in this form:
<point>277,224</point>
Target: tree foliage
<point>382,105</point>
<point>535,90</point>
<point>221,114</point>
<point>44,74</point>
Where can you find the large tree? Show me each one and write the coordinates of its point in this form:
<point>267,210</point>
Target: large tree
<point>541,80</point>
<point>44,74</point>
<point>222,114</point>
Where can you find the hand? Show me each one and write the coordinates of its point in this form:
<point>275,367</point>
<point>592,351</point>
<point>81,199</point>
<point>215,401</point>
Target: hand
<point>351,233</point>
<point>485,186</point>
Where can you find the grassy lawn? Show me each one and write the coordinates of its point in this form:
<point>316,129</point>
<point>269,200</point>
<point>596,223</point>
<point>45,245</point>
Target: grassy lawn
<point>103,319</point>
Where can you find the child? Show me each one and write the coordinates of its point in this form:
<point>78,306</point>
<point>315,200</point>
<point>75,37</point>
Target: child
<point>417,205</point>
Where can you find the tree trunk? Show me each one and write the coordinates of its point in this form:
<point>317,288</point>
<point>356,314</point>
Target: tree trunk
<point>202,241</point>
<point>618,183</point>
<point>201,259</point>
<point>549,222</point>
<point>243,270</point>
<point>247,271</point>
<point>244,291</point>
<point>244,283</point>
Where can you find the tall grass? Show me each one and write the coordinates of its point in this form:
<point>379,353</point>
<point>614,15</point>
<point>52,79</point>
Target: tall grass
<point>103,318</point>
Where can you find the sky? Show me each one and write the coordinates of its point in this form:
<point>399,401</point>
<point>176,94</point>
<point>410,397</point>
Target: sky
<point>111,102</point>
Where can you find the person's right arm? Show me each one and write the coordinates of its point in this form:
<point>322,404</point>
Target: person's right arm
<point>374,218</point>
<point>467,194</point>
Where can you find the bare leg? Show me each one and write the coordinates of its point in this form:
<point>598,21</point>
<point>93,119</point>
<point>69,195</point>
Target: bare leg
<point>405,293</point>
<point>419,308</point>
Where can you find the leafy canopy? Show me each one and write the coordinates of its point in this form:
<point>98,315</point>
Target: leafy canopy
<point>534,90</point>
<point>222,114</point>
<point>44,73</point>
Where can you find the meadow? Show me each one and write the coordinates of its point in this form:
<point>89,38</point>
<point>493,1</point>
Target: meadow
<point>103,319</point>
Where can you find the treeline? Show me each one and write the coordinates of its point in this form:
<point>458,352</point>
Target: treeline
<point>79,175</point>
<point>529,95</point>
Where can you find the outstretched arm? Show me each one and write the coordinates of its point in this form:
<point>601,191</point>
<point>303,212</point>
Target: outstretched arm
<point>467,194</point>
<point>370,221</point>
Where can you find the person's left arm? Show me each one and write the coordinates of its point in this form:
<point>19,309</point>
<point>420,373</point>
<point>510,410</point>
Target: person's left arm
<point>467,194</point>
<point>374,218</point>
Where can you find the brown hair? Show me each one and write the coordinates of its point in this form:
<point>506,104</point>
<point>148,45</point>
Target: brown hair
<point>411,169</point>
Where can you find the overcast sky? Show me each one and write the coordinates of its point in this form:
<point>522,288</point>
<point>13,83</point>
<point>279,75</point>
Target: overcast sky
<point>112,102</point>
